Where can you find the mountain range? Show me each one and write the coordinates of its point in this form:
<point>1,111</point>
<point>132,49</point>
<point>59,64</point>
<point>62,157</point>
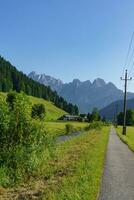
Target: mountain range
<point>86,95</point>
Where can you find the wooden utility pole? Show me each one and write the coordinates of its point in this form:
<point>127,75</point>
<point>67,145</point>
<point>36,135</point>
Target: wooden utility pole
<point>125,102</point>
<point>116,114</point>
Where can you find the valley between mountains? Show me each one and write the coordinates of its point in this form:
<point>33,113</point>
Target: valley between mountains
<point>86,95</point>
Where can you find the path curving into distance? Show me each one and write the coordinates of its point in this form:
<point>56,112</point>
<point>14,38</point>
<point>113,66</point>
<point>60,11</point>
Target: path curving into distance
<point>118,177</point>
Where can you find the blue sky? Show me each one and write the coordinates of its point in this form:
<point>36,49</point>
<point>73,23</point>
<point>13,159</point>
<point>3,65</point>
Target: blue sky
<point>68,39</point>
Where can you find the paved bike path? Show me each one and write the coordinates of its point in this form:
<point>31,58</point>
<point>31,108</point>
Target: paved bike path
<point>118,178</point>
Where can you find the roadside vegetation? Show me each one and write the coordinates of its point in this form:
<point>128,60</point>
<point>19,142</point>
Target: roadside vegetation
<point>128,138</point>
<point>79,167</point>
<point>22,140</point>
<point>74,171</point>
<point>129,117</point>
<point>33,164</point>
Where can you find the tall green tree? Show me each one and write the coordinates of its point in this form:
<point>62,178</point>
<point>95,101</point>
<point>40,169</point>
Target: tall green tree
<point>129,117</point>
<point>38,111</point>
<point>95,116</point>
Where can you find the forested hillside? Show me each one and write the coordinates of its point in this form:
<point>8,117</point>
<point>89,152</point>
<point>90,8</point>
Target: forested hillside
<point>109,111</point>
<point>12,79</point>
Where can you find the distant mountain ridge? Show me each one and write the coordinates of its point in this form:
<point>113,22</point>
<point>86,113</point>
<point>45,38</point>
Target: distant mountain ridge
<point>109,111</point>
<point>54,83</point>
<point>86,95</point>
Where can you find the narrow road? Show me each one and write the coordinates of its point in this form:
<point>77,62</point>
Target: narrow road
<point>118,178</point>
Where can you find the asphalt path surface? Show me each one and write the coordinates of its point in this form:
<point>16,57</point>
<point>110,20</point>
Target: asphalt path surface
<point>118,177</point>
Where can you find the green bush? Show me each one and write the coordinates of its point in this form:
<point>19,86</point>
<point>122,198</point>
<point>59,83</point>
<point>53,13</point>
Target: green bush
<point>4,179</point>
<point>95,125</point>
<point>11,98</point>
<point>4,128</point>
<point>38,111</point>
<point>24,142</point>
<point>69,128</point>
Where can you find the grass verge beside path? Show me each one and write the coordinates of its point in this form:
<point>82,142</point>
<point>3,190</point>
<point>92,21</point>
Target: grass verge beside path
<point>128,138</point>
<point>79,167</point>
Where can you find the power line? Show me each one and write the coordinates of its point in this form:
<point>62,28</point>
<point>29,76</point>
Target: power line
<point>131,69</point>
<point>130,60</point>
<point>128,53</point>
<point>129,49</point>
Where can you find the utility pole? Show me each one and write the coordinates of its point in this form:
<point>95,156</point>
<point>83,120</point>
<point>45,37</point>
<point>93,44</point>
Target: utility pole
<point>116,114</point>
<point>125,102</point>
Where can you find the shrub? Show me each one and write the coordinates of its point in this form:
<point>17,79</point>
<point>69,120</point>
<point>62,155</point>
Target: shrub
<point>11,96</point>
<point>4,128</point>
<point>94,125</point>
<point>4,179</point>
<point>24,142</point>
<point>69,128</point>
<point>38,111</point>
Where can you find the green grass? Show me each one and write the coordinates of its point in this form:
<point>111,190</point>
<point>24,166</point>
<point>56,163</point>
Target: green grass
<point>3,95</point>
<point>77,172</point>
<point>129,138</point>
<point>58,128</point>
<point>73,173</point>
<point>52,112</point>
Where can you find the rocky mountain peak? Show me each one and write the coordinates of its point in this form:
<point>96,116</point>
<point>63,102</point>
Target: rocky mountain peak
<point>32,74</point>
<point>99,82</point>
<point>111,85</point>
<point>54,83</point>
<point>76,81</point>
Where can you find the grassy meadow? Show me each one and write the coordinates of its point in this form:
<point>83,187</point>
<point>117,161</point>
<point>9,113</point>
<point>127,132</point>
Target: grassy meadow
<point>128,138</point>
<point>52,114</point>
<point>59,128</point>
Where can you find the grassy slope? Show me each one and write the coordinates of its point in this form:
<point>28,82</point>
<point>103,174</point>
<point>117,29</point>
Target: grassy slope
<point>52,112</point>
<point>129,138</point>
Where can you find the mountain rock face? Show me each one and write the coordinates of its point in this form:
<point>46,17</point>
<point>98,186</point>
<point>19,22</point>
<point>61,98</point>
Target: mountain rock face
<point>85,95</point>
<point>55,84</point>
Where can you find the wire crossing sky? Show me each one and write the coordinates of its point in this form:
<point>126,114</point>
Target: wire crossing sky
<point>68,39</point>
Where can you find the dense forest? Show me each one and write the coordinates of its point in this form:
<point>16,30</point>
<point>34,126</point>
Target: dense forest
<point>12,79</point>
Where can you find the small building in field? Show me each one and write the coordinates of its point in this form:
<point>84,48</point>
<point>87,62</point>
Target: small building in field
<point>70,118</point>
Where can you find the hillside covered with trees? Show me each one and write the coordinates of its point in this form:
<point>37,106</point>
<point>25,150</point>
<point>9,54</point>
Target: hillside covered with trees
<point>12,79</point>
